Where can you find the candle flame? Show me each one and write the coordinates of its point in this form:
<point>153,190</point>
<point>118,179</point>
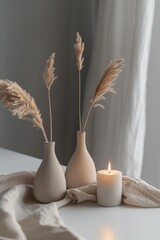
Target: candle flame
<point>109,167</point>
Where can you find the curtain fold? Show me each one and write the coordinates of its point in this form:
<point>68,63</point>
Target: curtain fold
<point>117,133</point>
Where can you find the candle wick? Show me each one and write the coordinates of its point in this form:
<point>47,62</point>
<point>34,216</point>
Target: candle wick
<point>109,171</point>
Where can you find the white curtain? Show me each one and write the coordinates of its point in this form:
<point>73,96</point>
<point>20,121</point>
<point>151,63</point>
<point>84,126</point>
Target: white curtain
<point>117,133</point>
<point>151,163</point>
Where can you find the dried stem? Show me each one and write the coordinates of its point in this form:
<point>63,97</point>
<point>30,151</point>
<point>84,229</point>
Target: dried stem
<point>87,117</point>
<point>50,113</point>
<point>80,118</point>
<point>79,48</point>
<point>44,134</point>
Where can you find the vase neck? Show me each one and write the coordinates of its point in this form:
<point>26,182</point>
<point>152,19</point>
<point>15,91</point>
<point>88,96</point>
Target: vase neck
<point>49,150</point>
<point>49,145</point>
<point>81,139</point>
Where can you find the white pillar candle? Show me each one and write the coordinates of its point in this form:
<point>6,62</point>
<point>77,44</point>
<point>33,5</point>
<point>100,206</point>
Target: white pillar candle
<point>109,187</point>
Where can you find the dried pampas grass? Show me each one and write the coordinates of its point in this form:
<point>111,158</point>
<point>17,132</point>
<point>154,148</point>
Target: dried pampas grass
<point>105,85</point>
<point>79,48</point>
<point>49,77</point>
<point>107,80</point>
<point>20,103</point>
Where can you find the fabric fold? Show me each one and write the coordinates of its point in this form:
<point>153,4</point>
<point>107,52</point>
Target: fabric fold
<point>22,217</point>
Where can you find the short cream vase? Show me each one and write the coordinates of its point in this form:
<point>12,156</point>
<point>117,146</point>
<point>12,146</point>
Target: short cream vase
<point>81,168</point>
<point>49,184</point>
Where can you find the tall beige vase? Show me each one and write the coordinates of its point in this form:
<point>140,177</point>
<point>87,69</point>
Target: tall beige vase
<point>81,169</point>
<point>49,184</point>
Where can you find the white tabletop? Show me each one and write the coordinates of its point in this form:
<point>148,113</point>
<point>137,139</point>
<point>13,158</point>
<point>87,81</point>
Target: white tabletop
<point>90,220</point>
<point>117,223</point>
<point>13,162</point>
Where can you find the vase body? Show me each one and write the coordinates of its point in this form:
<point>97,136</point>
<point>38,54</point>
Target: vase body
<point>49,184</point>
<point>81,169</point>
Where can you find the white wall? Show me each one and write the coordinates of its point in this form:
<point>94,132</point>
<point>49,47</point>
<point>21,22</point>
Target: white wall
<point>151,165</point>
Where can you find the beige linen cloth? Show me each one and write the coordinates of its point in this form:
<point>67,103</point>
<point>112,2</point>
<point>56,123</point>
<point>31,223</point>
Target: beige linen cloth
<point>22,217</point>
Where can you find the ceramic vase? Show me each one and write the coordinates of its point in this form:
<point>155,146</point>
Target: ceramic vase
<point>49,184</point>
<point>81,169</point>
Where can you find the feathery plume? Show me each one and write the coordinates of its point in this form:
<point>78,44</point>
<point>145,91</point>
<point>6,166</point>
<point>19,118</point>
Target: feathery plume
<point>105,85</point>
<point>20,103</point>
<point>107,80</point>
<point>49,75</point>
<point>79,48</point>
